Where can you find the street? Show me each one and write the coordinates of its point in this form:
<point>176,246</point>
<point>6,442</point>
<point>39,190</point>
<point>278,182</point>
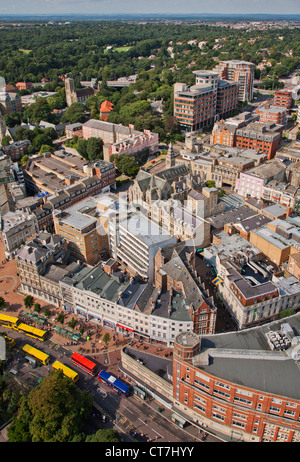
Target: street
<point>134,419</point>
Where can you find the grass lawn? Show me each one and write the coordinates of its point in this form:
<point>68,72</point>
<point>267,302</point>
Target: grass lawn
<point>120,49</point>
<point>25,51</point>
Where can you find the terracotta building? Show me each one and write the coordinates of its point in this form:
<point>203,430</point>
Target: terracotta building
<point>105,109</point>
<point>243,390</point>
<point>23,85</point>
<point>283,98</point>
<point>274,114</point>
<point>241,72</point>
<point>198,106</point>
<point>261,137</point>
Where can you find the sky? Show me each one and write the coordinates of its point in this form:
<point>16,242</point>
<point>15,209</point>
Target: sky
<point>104,7</point>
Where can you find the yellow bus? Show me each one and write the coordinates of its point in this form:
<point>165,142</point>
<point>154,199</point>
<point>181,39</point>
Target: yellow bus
<point>31,331</point>
<point>37,354</point>
<point>66,371</point>
<point>9,321</point>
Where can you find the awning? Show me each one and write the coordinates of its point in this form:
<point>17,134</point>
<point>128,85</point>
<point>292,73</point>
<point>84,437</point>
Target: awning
<point>123,327</point>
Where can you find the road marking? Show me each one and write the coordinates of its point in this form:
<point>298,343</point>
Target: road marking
<point>142,421</point>
<point>127,409</point>
<point>157,433</point>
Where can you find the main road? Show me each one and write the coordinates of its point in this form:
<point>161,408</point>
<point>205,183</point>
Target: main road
<point>128,415</point>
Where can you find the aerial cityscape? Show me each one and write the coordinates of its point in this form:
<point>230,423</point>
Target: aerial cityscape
<point>150,225</point>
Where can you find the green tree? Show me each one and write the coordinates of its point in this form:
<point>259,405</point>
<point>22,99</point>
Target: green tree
<point>104,436</point>
<point>12,120</point>
<point>54,411</point>
<point>28,301</point>
<point>38,111</point>
<point>94,148</point>
<point>41,140</point>
<point>2,303</point>
<point>106,338</point>
<point>210,184</point>
<point>81,147</point>
<point>37,307</point>
<point>45,148</point>
<point>127,164</point>
<point>72,324</point>
<point>47,312</point>
<point>24,159</point>
<point>74,113</point>
<point>60,318</point>
<point>5,140</point>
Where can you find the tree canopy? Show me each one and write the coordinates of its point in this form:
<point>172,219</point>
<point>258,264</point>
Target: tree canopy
<point>52,412</point>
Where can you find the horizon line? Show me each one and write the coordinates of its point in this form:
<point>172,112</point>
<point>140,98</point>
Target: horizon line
<point>151,13</point>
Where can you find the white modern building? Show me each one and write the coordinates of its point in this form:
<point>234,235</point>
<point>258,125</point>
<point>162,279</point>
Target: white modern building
<point>134,240</point>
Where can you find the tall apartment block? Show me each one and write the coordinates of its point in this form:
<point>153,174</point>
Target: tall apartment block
<point>200,105</point>
<point>241,72</point>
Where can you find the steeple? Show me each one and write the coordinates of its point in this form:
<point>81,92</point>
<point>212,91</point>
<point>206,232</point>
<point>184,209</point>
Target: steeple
<point>170,157</point>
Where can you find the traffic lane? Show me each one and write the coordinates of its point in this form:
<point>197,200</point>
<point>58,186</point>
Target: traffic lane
<point>147,421</point>
<point>135,416</point>
<point>140,416</point>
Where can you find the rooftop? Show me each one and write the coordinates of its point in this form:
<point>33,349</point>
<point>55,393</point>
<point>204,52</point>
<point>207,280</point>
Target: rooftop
<point>231,216</point>
<point>145,230</point>
<point>245,358</point>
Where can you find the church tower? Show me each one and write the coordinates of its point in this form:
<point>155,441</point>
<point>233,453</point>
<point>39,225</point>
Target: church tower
<point>70,91</point>
<point>170,157</point>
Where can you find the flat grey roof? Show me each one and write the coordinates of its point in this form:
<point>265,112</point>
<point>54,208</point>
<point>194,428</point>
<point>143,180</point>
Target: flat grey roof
<point>274,375</point>
<point>145,230</point>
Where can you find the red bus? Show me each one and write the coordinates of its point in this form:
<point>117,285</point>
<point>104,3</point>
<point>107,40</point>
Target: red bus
<point>85,364</point>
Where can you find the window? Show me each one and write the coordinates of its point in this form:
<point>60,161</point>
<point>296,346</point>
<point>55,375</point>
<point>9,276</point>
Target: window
<point>274,409</point>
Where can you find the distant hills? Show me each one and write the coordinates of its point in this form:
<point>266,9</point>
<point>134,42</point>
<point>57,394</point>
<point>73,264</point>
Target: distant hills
<point>150,17</point>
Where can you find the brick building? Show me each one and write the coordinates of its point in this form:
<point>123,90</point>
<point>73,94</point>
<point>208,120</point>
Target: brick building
<point>224,131</point>
<point>23,85</point>
<point>120,139</point>
<point>244,391</point>
<point>283,98</point>
<point>17,149</point>
<point>241,72</point>
<point>261,137</point>
<point>80,227</point>
<point>198,106</point>
<point>273,114</point>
